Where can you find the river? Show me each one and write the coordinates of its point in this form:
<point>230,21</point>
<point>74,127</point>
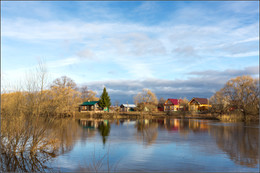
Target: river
<point>150,145</point>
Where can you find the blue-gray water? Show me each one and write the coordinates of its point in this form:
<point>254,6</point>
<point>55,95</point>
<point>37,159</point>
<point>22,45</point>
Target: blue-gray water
<point>165,145</point>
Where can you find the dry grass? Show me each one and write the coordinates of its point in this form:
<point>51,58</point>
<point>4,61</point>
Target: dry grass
<point>231,118</point>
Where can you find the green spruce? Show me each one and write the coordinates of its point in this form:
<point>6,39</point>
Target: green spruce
<point>104,101</point>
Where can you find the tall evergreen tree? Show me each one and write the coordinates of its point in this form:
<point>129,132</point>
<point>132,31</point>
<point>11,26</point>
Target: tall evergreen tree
<point>104,99</point>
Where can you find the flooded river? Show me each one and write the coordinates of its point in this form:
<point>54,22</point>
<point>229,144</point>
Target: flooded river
<point>165,145</point>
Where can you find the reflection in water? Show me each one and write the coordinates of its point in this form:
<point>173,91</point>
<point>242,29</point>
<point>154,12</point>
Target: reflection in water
<point>30,143</point>
<point>239,142</point>
<point>104,129</point>
<point>91,125</point>
<point>146,131</point>
<point>183,126</point>
<point>20,162</point>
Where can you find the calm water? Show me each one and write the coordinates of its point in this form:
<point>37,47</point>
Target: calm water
<point>165,145</point>
<point>160,145</point>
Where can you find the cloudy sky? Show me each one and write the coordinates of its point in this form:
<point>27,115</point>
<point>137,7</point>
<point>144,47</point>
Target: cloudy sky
<point>176,49</point>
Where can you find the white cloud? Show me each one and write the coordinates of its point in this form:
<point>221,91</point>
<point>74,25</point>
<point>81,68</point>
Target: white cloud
<point>143,51</point>
<point>132,39</point>
<point>86,54</point>
<point>241,55</point>
<point>199,84</point>
<point>146,6</point>
<point>62,62</point>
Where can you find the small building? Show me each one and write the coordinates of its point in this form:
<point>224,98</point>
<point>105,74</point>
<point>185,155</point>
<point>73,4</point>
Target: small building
<point>172,105</point>
<point>89,106</point>
<point>127,107</point>
<point>199,104</point>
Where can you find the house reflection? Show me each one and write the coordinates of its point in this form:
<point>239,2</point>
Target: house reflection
<point>103,127</point>
<point>183,126</point>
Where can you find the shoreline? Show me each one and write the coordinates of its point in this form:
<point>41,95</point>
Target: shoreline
<point>155,115</point>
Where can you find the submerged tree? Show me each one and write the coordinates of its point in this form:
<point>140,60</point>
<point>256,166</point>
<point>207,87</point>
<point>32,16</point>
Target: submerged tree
<point>105,99</point>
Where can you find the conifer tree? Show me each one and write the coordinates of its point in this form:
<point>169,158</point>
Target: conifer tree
<point>104,99</point>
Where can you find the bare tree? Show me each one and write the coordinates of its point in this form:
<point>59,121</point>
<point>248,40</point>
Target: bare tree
<point>65,97</point>
<point>161,103</point>
<point>64,82</point>
<point>219,102</point>
<point>240,93</point>
<point>146,100</point>
<point>184,104</point>
<point>88,94</point>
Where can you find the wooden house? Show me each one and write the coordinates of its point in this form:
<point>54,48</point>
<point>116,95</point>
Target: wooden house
<point>127,107</point>
<point>199,104</point>
<point>172,105</point>
<point>89,106</point>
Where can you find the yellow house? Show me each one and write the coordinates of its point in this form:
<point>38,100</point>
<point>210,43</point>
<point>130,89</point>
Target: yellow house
<point>172,105</point>
<point>199,104</point>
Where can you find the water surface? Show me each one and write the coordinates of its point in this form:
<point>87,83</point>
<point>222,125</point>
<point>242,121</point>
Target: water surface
<point>125,145</point>
<point>166,145</point>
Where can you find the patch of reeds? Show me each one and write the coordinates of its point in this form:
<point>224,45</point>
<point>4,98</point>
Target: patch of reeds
<point>231,117</point>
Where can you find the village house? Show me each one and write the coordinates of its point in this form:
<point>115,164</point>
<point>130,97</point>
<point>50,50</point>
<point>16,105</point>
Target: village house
<point>127,107</point>
<point>172,105</point>
<point>199,104</point>
<point>89,106</point>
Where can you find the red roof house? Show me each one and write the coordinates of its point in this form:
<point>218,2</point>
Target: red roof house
<point>172,104</point>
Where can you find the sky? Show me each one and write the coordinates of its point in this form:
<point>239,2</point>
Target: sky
<point>174,48</point>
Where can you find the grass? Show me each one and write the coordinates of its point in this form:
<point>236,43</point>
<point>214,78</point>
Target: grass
<point>231,118</point>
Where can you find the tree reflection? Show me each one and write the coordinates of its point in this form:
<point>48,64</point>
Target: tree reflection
<point>29,142</point>
<point>91,125</point>
<point>239,142</point>
<point>147,131</point>
<point>20,162</point>
<point>104,130</point>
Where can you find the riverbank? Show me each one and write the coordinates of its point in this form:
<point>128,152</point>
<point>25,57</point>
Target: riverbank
<point>186,115</point>
<point>120,115</point>
<point>142,115</point>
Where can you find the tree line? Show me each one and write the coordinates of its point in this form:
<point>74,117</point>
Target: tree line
<point>239,96</point>
<point>62,97</point>
<point>38,96</point>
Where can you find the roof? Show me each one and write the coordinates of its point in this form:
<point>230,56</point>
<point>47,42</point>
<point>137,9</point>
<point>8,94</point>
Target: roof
<point>201,100</point>
<point>89,103</point>
<point>174,101</point>
<point>128,105</point>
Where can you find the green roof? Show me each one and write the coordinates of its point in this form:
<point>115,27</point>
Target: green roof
<point>89,103</point>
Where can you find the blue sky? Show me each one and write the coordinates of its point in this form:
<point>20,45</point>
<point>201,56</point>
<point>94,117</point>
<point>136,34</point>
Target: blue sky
<point>176,49</point>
